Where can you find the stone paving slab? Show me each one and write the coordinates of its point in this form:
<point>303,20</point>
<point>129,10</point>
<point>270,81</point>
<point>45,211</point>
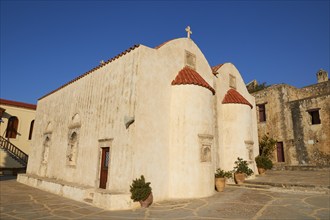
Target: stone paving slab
<point>18,201</point>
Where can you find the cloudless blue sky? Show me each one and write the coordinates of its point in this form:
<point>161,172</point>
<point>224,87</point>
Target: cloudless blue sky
<point>45,44</point>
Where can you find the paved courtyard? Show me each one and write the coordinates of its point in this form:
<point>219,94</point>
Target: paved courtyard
<point>19,201</point>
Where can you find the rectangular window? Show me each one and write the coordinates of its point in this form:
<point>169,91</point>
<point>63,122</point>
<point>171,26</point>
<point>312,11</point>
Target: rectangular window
<point>315,116</point>
<point>280,152</point>
<point>106,160</point>
<point>262,112</point>
<point>232,81</point>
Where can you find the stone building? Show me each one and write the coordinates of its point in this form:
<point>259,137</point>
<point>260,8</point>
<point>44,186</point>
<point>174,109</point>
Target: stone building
<point>299,119</point>
<point>16,127</point>
<point>161,112</point>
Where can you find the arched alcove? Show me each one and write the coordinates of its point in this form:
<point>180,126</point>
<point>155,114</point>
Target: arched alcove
<point>73,137</point>
<point>75,121</point>
<point>49,128</point>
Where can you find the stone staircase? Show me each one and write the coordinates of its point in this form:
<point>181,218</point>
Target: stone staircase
<point>89,196</point>
<point>306,179</point>
<point>306,168</point>
<point>15,153</point>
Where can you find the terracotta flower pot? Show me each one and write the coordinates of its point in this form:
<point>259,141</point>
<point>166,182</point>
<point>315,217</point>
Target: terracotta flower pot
<point>220,184</point>
<point>239,178</point>
<point>261,171</point>
<point>147,202</point>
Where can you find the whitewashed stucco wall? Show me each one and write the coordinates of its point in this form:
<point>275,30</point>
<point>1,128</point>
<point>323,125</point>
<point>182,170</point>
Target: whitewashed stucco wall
<point>236,122</point>
<point>191,116</point>
<point>155,109</point>
<point>102,99</point>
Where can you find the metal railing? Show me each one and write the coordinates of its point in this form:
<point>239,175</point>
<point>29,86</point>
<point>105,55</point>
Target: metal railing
<point>14,151</point>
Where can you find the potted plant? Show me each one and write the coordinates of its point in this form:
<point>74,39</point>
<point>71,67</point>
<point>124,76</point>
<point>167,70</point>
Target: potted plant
<point>220,179</point>
<point>263,164</point>
<point>141,192</point>
<point>241,170</point>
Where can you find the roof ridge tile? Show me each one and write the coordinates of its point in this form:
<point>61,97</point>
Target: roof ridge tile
<point>93,69</point>
<point>18,104</point>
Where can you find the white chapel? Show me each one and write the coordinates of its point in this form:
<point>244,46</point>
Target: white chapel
<point>161,112</point>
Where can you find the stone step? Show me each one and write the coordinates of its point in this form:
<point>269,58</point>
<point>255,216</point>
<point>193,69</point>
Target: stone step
<point>300,167</point>
<point>89,196</point>
<point>306,168</point>
<point>88,200</point>
<point>284,187</point>
<point>248,185</point>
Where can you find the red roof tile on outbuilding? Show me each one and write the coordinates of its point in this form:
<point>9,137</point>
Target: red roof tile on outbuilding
<point>18,104</point>
<point>234,97</point>
<point>188,76</point>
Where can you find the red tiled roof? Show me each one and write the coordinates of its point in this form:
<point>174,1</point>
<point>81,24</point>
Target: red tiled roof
<point>235,97</point>
<point>188,76</point>
<point>215,68</point>
<point>18,104</point>
<point>95,68</point>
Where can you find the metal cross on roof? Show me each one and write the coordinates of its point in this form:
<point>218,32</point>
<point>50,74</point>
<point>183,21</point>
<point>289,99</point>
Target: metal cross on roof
<point>188,31</point>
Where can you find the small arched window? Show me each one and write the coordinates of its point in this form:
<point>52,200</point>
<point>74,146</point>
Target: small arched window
<point>12,127</point>
<point>73,137</point>
<point>72,149</point>
<point>46,146</point>
<point>31,129</point>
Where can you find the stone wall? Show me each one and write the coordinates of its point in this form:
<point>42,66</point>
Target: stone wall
<point>288,120</point>
<point>236,130</point>
<point>312,140</point>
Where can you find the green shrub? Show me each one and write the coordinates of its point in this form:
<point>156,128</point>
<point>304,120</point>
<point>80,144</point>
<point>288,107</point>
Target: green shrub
<point>267,146</point>
<point>242,167</point>
<point>140,190</point>
<point>264,162</point>
<point>223,174</point>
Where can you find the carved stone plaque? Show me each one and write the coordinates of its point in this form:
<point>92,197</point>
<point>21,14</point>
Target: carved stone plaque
<point>205,143</point>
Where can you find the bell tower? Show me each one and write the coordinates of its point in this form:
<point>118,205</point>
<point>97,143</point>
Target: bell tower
<point>322,76</point>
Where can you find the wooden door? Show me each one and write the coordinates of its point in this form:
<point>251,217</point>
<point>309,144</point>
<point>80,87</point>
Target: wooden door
<point>280,152</point>
<point>104,167</point>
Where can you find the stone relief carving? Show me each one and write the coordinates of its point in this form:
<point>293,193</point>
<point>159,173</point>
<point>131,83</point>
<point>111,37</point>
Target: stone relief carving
<point>205,141</point>
<point>249,148</point>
